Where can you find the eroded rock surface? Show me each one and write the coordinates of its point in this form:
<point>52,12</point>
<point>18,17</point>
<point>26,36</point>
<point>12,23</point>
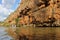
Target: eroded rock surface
<point>44,12</point>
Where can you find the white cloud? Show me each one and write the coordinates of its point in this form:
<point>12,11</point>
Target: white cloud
<point>4,12</point>
<point>2,18</point>
<point>8,3</point>
<point>5,8</point>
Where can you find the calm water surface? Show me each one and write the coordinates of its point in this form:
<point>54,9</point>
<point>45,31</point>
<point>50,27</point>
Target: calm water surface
<point>4,35</point>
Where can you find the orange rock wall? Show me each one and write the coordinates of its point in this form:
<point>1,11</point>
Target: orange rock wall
<point>37,10</point>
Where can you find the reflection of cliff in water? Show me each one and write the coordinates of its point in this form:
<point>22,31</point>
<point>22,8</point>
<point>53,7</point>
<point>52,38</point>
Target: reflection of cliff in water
<point>41,34</point>
<point>43,37</point>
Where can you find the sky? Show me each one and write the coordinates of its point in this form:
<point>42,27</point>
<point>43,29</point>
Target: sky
<point>6,7</point>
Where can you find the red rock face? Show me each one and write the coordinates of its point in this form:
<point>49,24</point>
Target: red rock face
<point>38,11</point>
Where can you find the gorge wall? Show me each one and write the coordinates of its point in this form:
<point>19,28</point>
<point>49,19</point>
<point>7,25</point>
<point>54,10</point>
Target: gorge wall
<point>39,12</point>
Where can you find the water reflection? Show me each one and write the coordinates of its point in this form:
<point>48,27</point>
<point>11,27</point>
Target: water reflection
<point>4,35</point>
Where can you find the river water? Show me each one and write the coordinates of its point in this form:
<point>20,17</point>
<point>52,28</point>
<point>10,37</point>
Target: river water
<point>4,35</point>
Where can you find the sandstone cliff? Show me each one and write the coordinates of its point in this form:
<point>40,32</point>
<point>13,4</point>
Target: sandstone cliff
<point>39,12</point>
